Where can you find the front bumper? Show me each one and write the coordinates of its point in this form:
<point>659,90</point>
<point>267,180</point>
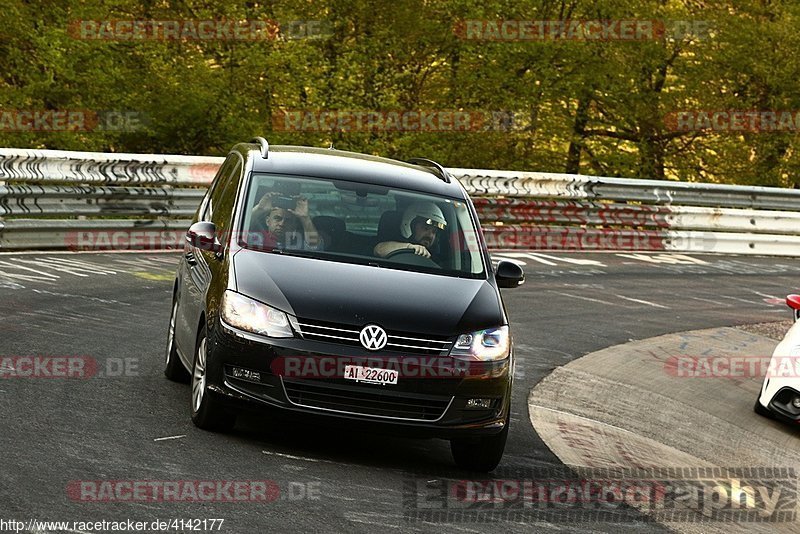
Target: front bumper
<point>300,377</point>
<point>780,405</point>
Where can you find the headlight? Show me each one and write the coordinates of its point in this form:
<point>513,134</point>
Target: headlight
<point>487,345</point>
<point>252,316</point>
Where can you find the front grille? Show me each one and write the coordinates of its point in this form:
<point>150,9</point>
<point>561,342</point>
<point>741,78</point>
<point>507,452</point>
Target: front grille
<point>397,341</point>
<point>357,400</point>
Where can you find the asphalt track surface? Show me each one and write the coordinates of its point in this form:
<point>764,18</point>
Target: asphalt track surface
<point>113,308</point>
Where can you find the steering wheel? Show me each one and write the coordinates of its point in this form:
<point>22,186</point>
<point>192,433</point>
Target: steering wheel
<point>413,259</point>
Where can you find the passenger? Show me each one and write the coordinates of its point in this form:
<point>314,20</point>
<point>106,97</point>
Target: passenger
<point>419,226</point>
<point>281,225</point>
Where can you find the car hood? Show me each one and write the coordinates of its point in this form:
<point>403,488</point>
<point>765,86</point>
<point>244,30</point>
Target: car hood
<point>359,294</point>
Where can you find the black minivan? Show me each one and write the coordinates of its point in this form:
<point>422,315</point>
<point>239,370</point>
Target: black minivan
<point>345,286</point>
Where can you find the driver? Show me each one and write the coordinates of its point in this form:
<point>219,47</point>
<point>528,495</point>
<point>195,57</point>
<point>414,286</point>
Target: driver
<point>420,223</point>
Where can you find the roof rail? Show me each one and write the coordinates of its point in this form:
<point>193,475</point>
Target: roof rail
<point>442,173</point>
<point>264,146</point>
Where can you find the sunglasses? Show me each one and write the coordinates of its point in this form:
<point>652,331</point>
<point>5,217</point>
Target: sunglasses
<point>431,222</point>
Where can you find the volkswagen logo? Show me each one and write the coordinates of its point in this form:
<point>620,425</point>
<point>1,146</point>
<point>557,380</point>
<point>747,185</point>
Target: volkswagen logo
<point>373,337</point>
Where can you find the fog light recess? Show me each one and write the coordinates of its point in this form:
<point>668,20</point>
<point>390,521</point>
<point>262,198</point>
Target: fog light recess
<point>479,404</point>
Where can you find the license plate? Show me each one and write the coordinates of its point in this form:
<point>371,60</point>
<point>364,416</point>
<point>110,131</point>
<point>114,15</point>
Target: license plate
<point>371,375</point>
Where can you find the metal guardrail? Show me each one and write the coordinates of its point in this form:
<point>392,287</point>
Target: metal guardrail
<point>82,200</point>
<point>49,166</point>
<point>661,192</point>
<point>90,200</point>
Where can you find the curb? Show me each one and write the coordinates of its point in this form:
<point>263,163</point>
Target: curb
<point>621,407</point>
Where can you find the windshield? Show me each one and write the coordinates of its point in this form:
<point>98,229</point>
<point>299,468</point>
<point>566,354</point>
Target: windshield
<point>360,223</point>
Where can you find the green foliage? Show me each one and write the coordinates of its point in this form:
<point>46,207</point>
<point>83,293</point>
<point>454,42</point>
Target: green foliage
<point>583,106</point>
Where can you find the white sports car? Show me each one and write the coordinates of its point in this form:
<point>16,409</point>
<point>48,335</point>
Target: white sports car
<point>780,393</point>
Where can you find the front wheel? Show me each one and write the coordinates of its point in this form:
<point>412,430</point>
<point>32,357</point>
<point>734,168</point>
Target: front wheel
<point>482,453</point>
<point>207,411</point>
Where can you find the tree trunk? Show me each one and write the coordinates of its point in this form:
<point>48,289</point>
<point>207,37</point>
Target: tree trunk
<point>578,136</point>
<point>651,159</point>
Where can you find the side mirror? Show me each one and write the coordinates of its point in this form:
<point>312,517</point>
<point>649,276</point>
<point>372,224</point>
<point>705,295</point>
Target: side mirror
<point>509,274</point>
<point>793,301</point>
<point>203,235</point>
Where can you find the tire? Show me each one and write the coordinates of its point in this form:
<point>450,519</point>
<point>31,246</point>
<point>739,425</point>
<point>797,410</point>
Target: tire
<point>481,453</point>
<point>173,368</point>
<point>207,411</point>
<point>760,410</point>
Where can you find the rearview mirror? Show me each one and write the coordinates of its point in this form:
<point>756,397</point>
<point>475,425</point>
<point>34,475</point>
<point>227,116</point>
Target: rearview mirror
<point>509,274</point>
<point>793,301</point>
<point>203,235</point>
